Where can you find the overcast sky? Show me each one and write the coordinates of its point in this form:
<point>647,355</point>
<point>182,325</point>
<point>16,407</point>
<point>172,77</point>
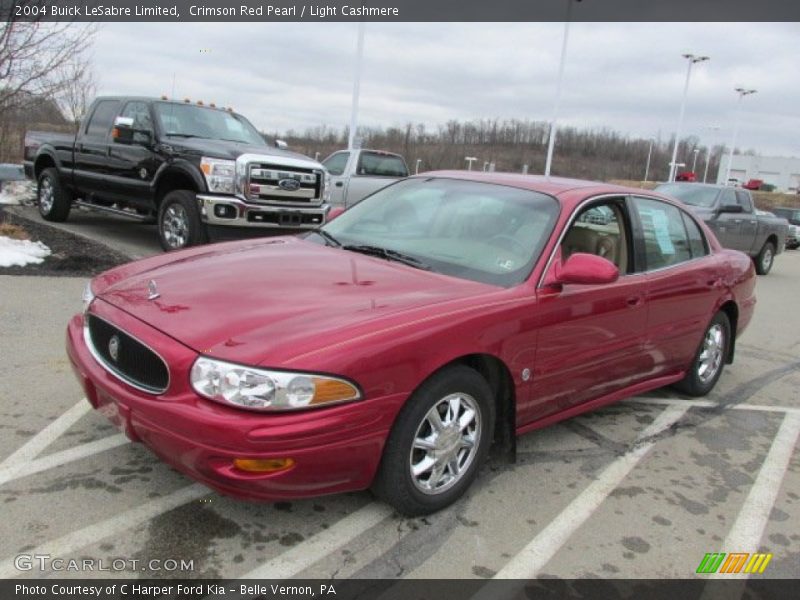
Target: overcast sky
<point>624,76</point>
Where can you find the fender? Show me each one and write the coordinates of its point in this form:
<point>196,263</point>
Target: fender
<point>182,167</point>
<point>50,152</point>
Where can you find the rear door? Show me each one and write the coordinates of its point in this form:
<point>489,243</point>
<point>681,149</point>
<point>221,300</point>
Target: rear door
<point>91,149</point>
<point>683,283</point>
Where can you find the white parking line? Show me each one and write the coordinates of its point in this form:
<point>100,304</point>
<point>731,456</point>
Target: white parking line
<point>532,558</point>
<point>76,540</point>
<point>712,404</point>
<point>23,469</point>
<point>34,446</point>
<point>745,535</point>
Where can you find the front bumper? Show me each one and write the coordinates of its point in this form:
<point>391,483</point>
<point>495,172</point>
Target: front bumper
<point>337,449</point>
<point>229,211</point>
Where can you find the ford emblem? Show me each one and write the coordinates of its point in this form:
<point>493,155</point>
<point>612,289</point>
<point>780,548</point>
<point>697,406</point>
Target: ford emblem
<point>113,348</point>
<point>290,185</point>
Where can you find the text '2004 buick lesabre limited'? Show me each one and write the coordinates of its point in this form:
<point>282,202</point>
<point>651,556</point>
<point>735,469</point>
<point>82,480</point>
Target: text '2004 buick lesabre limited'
<point>393,346</point>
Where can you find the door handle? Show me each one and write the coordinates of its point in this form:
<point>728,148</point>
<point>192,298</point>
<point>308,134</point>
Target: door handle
<point>737,220</point>
<point>339,184</point>
<point>634,301</point>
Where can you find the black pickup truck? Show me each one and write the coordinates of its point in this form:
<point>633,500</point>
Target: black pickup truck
<point>199,171</point>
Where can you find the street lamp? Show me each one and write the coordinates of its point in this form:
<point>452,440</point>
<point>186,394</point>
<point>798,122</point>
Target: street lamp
<point>649,153</point>
<point>552,141</point>
<point>694,160</point>
<point>715,129</point>
<point>692,60</point>
<point>742,93</point>
<point>416,167</point>
<point>356,87</point>
<point>470,160</point>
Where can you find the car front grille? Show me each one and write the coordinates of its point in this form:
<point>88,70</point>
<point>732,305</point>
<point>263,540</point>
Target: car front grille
<point>125,356</point>
<point>275,184</point>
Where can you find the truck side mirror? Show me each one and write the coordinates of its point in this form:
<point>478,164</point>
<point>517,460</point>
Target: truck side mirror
<point>124,133</point>
<point>281,144</point>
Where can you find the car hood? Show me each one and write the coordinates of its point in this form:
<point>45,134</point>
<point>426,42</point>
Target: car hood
<point>270,300</point>
<point>233,150</point>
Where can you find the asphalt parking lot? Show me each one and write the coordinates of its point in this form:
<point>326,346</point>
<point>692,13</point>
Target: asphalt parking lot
<point>642,489</point>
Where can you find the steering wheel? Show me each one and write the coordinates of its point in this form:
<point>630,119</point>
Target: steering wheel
<point>508,242</point>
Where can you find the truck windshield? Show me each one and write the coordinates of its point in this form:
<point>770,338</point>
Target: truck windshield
<point>695,195</point>
<point>189,120</point>
<point>479,231</point>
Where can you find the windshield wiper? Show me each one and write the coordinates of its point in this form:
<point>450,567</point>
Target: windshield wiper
<point>328,238</point>
<point>388,254</point>
<point>186,135</point>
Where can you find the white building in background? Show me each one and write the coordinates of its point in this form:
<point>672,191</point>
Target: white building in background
<point>782,172</point>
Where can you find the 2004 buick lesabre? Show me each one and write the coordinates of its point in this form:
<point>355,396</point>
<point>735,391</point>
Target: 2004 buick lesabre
<point>393,346</point>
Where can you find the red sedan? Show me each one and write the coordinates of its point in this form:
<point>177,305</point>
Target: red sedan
<point>393,346</point>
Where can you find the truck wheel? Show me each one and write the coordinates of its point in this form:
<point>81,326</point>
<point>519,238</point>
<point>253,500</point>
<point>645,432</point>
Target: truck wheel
<point>765,258</point>
<point>709,360</point>
<point>438,442</point>
<point>179,224</point>
<point>54,201</point>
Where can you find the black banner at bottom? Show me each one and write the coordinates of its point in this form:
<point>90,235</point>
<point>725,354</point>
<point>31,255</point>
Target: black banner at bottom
<point>406,589</point>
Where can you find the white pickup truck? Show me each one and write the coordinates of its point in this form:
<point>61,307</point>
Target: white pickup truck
<point>355,174</point>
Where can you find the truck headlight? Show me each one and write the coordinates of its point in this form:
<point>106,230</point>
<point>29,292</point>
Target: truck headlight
<point>265,389</point>
<point>326,188</point>
<point>219,174</point>
<point>88,296</point>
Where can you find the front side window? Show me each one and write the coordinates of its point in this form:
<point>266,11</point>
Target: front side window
<point>479,231</point>
<point>190,121</point>
<point>142,123</point>
<point>336,163</point>
<point>743,198</point>
<point>599,230</point>
<point>665,240</point>
<point>100,123</point>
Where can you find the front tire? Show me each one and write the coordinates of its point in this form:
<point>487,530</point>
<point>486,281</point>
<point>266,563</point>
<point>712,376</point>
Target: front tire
<point>54,201</point>
<point>709,360</point>
<point>179,224</point>
<point>438,442</point>
<point>765,258</point>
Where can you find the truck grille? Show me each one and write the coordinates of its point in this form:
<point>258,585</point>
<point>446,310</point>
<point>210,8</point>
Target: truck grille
<point>275,184</point>
<point>125,356</point>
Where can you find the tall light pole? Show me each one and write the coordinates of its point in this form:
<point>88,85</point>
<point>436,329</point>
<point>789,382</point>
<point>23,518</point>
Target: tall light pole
<point>649,154</point>
<point>742,93</point>
<point>470,160</point>
<point>692,60</point>
<point>416,167</point>
<point>356,87</point>
<point>552,140</point>
<point>694,160</point>
<point>713,128</point>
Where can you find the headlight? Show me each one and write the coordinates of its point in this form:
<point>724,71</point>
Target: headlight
<point>219,174</point>
<point>326,188</point>
<point>262,389</point>
<point>88,296</point>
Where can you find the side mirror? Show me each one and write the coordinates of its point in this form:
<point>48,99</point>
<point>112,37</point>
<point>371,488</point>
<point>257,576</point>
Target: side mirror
<point>587,269</point>
<point>730,208</point>
<point>334,212</point>
<point>124,133</point>
<point>281,144</point>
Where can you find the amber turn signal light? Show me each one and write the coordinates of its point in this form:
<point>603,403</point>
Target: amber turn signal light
<point>262,465</point>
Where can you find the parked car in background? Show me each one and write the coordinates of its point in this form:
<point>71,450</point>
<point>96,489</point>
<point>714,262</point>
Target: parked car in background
<point>393,346</point>
<point>198,170</point>
<point>731,215</point>
<point>792,215</point>
<point>355,174</point>
<point>686,176</point>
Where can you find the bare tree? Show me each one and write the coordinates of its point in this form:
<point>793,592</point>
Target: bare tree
<point>33,55</point>
<point>79,88</point>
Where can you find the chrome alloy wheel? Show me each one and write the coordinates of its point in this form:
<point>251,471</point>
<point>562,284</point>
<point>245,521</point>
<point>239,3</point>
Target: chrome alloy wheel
<point>766,259</point>
<point>445,443</point>
<point>46,195</point>
<point>711,355</point>
<point>175,226</point>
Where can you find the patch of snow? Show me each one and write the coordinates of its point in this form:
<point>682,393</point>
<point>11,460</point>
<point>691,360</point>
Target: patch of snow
<point>18,253</point>
<point>18,192</point>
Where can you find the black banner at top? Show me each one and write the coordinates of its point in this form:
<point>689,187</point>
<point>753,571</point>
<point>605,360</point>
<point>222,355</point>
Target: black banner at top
<point>400,10</point>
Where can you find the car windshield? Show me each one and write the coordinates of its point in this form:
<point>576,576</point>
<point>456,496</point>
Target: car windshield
<point>479,231</point>
<point>189,120</point>
<point>695,195</point>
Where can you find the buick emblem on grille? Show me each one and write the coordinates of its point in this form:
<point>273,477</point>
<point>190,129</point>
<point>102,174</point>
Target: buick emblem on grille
<point>113,348</point>
<point>290,185</point>
<point>152,290</point>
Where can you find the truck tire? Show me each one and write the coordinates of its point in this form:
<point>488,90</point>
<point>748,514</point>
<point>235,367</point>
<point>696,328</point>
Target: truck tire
<point>179,224</point>
<point>765,258</point>
<point>53,200</point>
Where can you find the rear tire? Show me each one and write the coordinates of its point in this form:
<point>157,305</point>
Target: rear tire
<point>708,362</point>
<point>438,442</point>
<point>179,224</point>
<point>765,258</point>
<point>54,201</point>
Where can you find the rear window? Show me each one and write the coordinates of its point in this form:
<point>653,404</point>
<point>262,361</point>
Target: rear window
<point>378,164</point>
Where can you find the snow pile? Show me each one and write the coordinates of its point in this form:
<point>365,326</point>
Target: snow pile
<point>21,252</point>
<point>18,192</point>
